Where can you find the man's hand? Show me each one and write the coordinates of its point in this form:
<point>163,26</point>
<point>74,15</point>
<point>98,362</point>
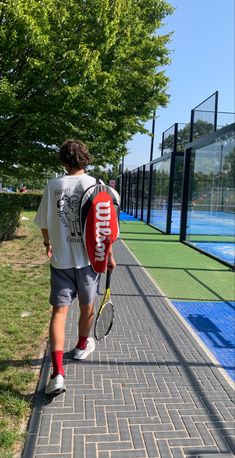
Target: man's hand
<point>111,262</point>
<point>49,251</point>
<point>46,241</point>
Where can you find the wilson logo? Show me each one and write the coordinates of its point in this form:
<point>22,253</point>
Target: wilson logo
<point>103,231</point>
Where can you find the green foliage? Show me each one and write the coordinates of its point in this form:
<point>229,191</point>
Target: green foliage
<point>9,217</point>
<point>160,184</point>
<point>26,201</point>
<point>178,177</point>
<point>32,183</point>
<point>90,70</point>
<point>229,167</point>
<point>201,128</point>
<point>12,404</point>
<point>10,207</point>
<point>105,174</point>
<point>7,439</point>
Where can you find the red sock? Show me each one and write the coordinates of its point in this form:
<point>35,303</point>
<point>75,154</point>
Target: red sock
<point>82,343</point>
<point>57,362</point>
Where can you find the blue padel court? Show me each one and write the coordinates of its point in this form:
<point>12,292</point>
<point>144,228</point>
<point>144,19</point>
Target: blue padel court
<point>214,322</point>
<point>222,250</point>
<point>199,222</point>
<point>125,217</point>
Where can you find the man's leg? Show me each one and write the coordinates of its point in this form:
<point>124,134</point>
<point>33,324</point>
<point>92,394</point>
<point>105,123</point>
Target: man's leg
<point>57,338</point>
<point>86,319</point>
<point>87,283</point>
<point>63,290</point>
<point>85,344</point>
<point>57,327</point>
<point>84,324</point>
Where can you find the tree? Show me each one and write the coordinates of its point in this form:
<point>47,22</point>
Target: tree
<point>89,69</point>
<point>99,173</point>
<point>105,174</point>
<point>201,128</point>
<point>229,164</point>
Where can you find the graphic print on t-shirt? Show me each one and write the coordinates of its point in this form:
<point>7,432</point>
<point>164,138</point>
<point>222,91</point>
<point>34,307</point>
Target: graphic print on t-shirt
<point>68,212</point>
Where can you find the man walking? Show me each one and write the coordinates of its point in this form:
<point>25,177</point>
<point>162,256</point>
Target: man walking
<point>71,272</point>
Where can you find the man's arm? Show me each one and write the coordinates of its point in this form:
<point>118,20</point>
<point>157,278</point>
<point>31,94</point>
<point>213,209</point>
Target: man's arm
<point>47,243</point>
<point>111,261</point>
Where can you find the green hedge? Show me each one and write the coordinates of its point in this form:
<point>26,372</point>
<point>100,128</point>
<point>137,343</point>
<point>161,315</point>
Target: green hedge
<point>27,201</point>
<point>11,205</point>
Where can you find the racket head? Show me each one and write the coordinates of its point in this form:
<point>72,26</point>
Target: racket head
<point>104,320</point>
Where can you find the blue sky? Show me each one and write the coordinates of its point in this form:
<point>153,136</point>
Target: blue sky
<point>202,62</point>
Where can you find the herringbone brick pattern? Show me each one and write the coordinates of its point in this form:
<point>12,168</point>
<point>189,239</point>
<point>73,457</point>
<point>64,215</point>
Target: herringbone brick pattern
<point>148,390</point>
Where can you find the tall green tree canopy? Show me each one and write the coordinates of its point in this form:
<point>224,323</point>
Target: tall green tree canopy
<point>87,69</point>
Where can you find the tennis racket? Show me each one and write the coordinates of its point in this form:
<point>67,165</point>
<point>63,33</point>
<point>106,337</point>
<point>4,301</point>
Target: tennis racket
<point>105,315</point>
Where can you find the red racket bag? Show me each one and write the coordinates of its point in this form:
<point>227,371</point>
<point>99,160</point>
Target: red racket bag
<point>99,221</point>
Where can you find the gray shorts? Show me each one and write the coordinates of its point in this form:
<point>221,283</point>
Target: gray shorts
<point>66,284</point>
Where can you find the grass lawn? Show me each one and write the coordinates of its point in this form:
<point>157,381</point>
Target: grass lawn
<point>25,313</point>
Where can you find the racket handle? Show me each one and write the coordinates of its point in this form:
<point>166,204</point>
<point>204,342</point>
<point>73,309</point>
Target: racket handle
<point>108,279</point>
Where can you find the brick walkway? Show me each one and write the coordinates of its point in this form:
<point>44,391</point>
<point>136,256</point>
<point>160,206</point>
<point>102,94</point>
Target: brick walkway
<point>148,390</point>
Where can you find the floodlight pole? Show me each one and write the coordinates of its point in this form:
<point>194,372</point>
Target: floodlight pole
<point>122,164</point>
<point>152,138</point>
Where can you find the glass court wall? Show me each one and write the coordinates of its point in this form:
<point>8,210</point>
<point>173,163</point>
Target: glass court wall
<point>133,191</point>
<point>177,194</point>
<point>140,192</point>
<point>152,192</point>
<point>159,193</point>
<point>146,193</point>
<point>208,215</point>
<point>200,154</point>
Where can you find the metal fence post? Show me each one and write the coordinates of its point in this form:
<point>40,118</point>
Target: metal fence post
<point>216,109</point>
<point>152,138</point>
<point>122,191</point>
<point>150,193</point>
<point>170,193</point>
<point>137,192</point>
<point>185,189</point>
<point>142,199</point>
<point>191,126</point>
<point>162,146</point>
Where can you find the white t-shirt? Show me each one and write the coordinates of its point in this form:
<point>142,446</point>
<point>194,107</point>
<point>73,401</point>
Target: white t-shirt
<point>58,212</point>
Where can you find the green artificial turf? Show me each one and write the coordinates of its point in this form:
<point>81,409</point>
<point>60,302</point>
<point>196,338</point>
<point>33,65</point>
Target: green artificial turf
<point>181,272</point>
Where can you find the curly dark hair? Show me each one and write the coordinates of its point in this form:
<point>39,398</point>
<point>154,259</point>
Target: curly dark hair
<point>75,154</point>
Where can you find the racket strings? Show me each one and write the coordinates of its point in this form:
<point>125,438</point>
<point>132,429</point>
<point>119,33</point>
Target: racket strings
<point>104,321</point>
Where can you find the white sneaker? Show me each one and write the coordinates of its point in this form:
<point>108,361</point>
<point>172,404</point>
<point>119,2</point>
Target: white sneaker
<point>56,385</point>
<point>82,354</point>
